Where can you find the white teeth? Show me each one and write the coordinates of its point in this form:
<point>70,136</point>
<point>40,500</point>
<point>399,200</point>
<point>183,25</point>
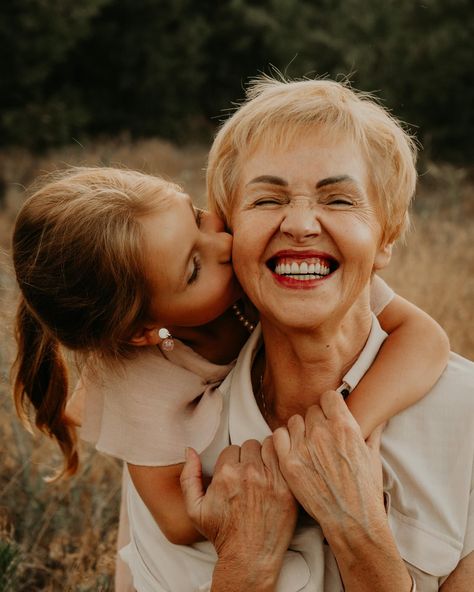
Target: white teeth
<point>303,270</point>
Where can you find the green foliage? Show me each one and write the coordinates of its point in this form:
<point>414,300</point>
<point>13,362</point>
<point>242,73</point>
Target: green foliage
<point>37,37</point>
<point>9,559</point>
<point>170,67</point>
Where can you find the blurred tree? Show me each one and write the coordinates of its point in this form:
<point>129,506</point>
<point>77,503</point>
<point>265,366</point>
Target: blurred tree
<point>170,67</point>
<point>417,54</point>
<point>35,36</point>
<point>142,67</point>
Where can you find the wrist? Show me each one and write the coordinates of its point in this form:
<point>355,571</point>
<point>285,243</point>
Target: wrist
<point>369,557</point>
<point>240,574</point>
<point>356,536</point>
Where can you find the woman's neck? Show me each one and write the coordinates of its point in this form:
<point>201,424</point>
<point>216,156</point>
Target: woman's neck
<point>298,366</point>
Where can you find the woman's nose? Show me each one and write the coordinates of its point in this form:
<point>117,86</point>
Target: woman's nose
<point>300,220</point>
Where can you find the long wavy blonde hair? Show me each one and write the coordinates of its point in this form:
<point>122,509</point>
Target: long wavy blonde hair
<point>78,258</point>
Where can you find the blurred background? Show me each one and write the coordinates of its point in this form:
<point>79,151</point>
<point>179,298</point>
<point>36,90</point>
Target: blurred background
<point>144,83</point>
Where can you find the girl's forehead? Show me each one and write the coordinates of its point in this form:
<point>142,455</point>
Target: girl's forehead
<point>172,195</point>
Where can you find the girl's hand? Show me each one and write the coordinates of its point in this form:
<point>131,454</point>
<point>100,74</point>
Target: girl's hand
<point>332,472</point>
<point>248,511</point>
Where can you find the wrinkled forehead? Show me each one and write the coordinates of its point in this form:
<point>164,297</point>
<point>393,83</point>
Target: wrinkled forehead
<point>280,138</point>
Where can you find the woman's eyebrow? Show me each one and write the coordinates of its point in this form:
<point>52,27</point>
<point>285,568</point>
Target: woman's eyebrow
<point>334,180</point>
<point>269,179</point>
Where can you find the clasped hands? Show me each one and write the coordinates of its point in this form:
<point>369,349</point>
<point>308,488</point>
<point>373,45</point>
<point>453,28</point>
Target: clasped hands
<point>320,461</point>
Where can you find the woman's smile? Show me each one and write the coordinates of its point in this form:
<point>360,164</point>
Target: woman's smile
<point>301,269</point>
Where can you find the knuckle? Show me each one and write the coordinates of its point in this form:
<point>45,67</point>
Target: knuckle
<point>313,409</point>
<point>252,474</point>
<point>295,421</point>
<point>227,473</point>
<point>267,444</point>
<point>292,420</point>
<point>292,464</point>
<point>345,427</point>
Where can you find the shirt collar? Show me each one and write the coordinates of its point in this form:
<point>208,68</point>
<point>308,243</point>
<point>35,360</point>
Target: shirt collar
<point>245,420</point>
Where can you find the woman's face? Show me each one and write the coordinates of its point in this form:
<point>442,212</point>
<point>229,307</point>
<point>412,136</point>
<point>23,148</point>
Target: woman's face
<point>188,257</point>
<point>306,233</point>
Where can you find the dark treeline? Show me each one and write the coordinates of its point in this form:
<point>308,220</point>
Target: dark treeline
<point>170,67</point>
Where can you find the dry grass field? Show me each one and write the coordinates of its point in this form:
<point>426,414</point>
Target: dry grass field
<point>60,537</point>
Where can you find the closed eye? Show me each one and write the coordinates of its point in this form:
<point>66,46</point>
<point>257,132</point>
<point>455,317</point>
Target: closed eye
<point>269,201</point>
<point>198,213</point>
<point>196,269</point>
<point>339,200</point>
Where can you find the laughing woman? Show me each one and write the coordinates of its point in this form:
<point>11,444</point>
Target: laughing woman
<point>315,180</point>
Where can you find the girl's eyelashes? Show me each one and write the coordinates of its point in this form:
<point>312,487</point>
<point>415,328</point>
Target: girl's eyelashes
<point>196,269</point>
<point>198,215</point>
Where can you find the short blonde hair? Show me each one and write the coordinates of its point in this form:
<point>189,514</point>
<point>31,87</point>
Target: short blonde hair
<point>276,112</point>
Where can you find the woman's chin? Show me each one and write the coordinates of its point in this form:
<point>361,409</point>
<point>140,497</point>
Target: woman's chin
<point>298,319</point>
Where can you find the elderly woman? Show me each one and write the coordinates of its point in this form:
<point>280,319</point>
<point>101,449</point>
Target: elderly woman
<point>315,182</point>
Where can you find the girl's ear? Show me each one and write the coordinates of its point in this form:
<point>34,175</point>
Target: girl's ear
<point>145,336</point>
<point>383,256</point>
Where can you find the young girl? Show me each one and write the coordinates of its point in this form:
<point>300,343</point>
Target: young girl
<point>120,268</point>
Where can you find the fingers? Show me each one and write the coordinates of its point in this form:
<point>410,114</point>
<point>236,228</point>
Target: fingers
<point>269,457</point>
<point>292,436</point>
<point>296,429</point>
<point>270,460</point>
<point>250,452</point>
<point>191,481</point>
<point>230,455</point>
<point>332,405</point>
<point>281,442</point>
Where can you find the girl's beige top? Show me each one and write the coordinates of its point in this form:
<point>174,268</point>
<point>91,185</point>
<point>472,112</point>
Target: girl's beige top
<point>147,409</point>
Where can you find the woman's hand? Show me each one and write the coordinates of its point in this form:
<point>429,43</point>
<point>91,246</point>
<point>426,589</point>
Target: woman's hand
<point>337,477</point>
<point>248,512</point>
<point>333,473</point>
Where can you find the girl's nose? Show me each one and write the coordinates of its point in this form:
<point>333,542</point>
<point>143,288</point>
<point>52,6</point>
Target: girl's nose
<point>213,222</point>
<point>224,247</point>
<point>219,242</point>
<point>300,220</point>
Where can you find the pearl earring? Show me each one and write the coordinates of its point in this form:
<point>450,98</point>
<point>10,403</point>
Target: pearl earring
<point>168,343</point>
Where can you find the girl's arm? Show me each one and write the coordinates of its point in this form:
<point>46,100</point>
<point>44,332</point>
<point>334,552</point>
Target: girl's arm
<point>160,491</point>
<point>410,361</point>
<point>158,487</point>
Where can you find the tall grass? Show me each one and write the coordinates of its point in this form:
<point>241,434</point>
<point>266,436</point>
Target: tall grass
<point>61,536</point>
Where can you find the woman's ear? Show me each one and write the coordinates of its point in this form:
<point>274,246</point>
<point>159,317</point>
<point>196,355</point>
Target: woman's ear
<point>145,336</point>
<point>383,256</point>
